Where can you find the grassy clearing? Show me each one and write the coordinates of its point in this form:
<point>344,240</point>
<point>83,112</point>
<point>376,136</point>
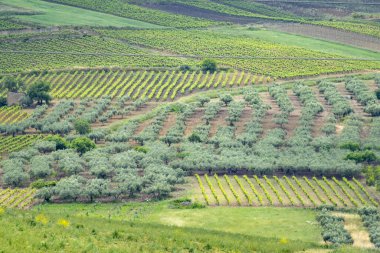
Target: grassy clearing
<point>289,223</point>
<point>64,231</point>
<point>56,14</point>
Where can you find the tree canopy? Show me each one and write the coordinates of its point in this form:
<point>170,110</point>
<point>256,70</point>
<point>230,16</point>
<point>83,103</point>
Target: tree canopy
<point>39,92</point>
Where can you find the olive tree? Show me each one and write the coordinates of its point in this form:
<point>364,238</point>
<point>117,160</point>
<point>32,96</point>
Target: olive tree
<point>69,188</point>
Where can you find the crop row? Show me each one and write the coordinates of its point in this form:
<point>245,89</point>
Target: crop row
<point>287,191</point>
<point>160,85</point>
<point>11,114</point>
<point>10,144</point>
<point>17,198</point>
<point>204,43</point>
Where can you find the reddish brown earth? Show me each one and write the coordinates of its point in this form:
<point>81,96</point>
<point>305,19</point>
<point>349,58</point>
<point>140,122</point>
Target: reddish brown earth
<point>356,106</point>
<point>193,121</point>
<point>220,120</point>
<point>244,119</point>
<point>268,123</point>
<point>169,122</point>
<point>294,115</point>
<point>321,118</point>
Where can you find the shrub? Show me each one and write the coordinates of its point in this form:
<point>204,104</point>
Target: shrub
<point>60,143</point>
<point>46,146</point>
<point>226,99</point>
<point>82,144</point>
<point>333,229</point>
<point>362,156</point>
<point>82,126</point>
<point>69,188</point>
<point>209,65</point>
<point>40,183</point>
<point>3,101</point>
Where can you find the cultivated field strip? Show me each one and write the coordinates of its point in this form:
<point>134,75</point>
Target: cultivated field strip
<point>12,114</point>
<point>17,198</point>
<point>227,190</point>
<point>10,144</point>
<point>159,85</point>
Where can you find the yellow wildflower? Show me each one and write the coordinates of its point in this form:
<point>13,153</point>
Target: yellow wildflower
<point>41,219</point>
<point>64,223</point>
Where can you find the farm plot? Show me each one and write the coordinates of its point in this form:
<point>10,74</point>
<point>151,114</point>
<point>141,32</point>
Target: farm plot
<point>17,198</point>
<point>10,144</point>
<point>6,24</point>
<point>283,191</point>
<point>143,84</point>
<point>275,59</point>
<point>68,50</point>
<point>12,114</point>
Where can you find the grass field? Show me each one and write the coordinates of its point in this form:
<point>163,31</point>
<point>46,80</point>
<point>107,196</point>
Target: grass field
<point>94,227</point>
<point>51,14</point>
<point>253,222</point>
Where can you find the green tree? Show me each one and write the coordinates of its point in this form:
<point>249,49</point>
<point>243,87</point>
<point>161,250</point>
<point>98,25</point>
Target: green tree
<point>60,142</point>
<point>203,100</point>
<point>3,101</point>
<point>39,91</point>
<point>209,65</point>
<point>82,144</point>
<point>69,187</point>
<point>12,85</point>
<point>82,126</point>
<point>96,188</point>
<point>226,99</point>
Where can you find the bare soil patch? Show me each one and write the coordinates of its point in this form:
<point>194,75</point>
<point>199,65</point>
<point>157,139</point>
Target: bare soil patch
<point>356,106</point>
<point>294,115</point>
<point>193,121</point>
<point>244,119</point>
<point>169,122</point>
<point>321,118</point>
<point>268,122</point>
<point>220,120</point>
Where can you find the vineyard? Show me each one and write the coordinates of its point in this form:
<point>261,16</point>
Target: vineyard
<point>364,28</point>
<point>260,117</point>
<point>127,10</point>
<point>12,114</point>
<point>8,25</point>
<point>157,85</point>
<point>266,58</point>
<point>9,144</point>
<point>17,198</point>
<point>67,50</point>
<point>283,191</point>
